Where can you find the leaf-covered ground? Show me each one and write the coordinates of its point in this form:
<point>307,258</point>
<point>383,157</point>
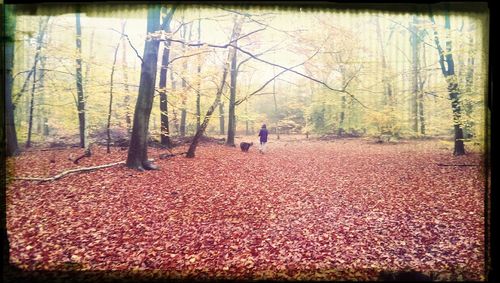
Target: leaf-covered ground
<point>344,209</point>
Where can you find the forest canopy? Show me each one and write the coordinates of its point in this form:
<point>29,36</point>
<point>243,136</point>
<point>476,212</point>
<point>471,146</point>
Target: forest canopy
<point>325,70</point>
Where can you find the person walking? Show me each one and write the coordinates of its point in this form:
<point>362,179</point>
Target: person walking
<point>263,138</point>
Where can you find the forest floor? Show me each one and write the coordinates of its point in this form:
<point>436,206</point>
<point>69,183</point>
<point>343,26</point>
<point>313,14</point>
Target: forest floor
<point>306,209</point>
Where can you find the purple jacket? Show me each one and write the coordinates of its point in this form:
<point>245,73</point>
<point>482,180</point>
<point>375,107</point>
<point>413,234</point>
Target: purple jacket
<point>263,135</point>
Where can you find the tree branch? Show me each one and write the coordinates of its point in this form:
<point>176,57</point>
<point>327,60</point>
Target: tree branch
<point>238,102</point>
<point>213,18</point>
<point>22,72</point>
<point>16,97</point>
<point>303,75</point>
<point>186,56</point>
<point>249,16</point>
<point>258,54</point>
<point>272,64</point>
<point>209,44</point>
<point>130,43</point>
<point>351,78</point>
<point>246,35</point>
<point>408,29</point>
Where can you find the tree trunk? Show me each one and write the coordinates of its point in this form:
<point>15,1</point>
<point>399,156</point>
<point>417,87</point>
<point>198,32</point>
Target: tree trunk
<point>164,127</point>
<point>46,128</point>
<point>108,127</point>
<point>42,125</point>
<point>231,123</point>
<point>174,112</point>
<point>42,25</point>
<point>421,111</point>
<point>198,106</point>
<point>184,85</point>
<point>20,61</point>
<point>138,150</point>
<point>87,85</point>
<point>221,118</point>
<point>454,93</point>
<point>27,55</point>
<point>387,84</point>
<point>41,110</point>
<point>469,83</point>
<point>231,54</point>
<point>276,109</point>
<point>343,104</point>
<point>128,119</point>
<point>90,62</point>
<point>30,117</point>
<point>388,98</point>
<point>18,97</point>
<point>9,135</point>
<point>454,96</point>
<point>79,85</point>
<point>415,67</point>
<point>182,128</point>
<point>457,115</point>
<point>198,93</point>
<point>421,83</point>
<point>247,126</point>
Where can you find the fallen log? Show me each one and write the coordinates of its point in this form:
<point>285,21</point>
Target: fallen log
<point>58,176</point>
<point>167,155</point>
